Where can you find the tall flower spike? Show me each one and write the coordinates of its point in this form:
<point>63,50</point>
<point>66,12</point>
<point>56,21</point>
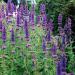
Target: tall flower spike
<point>26,30</point>
<point>58,68</point>
<point>12,36</point>
<point>3,34</point>
<point>3,12</point>
<point>44,21</point>
<point>60,19</point>
<point>18,19</point>
<point>63,62</point>
<point>0,26</point>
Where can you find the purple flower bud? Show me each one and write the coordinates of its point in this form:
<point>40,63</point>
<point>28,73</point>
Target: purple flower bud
<point>44,44</point>
<point>60,19</point>
<point>38,19</point>
<point>12,36</point>
<point>42,8</point>
<point>3,33</point>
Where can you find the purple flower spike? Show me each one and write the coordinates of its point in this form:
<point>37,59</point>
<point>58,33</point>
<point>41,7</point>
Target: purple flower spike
<point>42,8</point>
<point>48,36</point>
<point>0,26</point>
<point>63,62</point>
<point>58,68</point>
<point>60,20</point>
<point>44,21</point>
<point>53,49</point>
<point>3,34</point>
<point>12,36</point>
<point>18,20</point>
<point>26,29</point>
<point>44,44</point>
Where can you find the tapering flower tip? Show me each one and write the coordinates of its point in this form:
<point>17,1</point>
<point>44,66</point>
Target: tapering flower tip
<point>0,26</point>
<point>44,44</point>
<point>42,8</point>
<point>9,7</point>
<point>3,34</point>
<point>58,68</point>
<point>12,36</point>
<point>44,21</point>
<point>26,30</point>
<point>53,50</point>
<point>60,19</point>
